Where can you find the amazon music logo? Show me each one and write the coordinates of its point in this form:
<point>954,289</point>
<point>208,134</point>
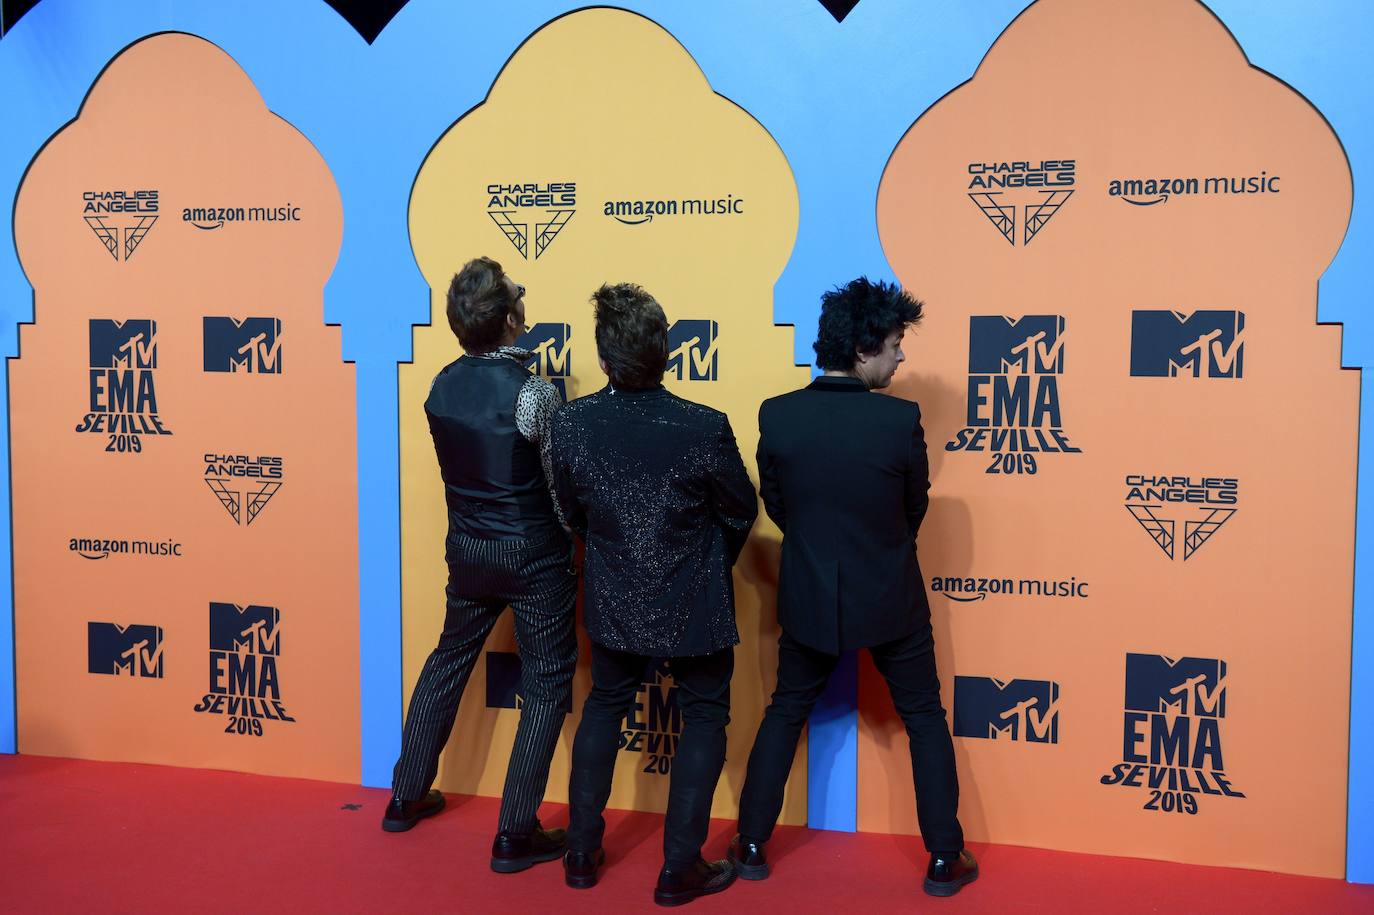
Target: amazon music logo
<point>638,212</point>
<point>1148,192</point>
<point>209,219</point>
<point>970,588</point>
<point>97,548</point>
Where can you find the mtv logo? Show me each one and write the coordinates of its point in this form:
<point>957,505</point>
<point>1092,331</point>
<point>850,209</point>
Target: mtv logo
<point>1030,345</point>
<point>251,345</point>
<point>135,651</point>
<point>1204,344</point>
<point>1186,686</point>
<point>123,344</point>
<point>692,350</point>
<point>550,347</point>
<point>1024,710</point>
<point>503,681</point>
<point>253,629</point>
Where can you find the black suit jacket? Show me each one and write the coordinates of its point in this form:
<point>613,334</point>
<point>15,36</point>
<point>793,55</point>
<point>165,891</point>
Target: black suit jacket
<point>843,473</point>
<point>656,486</point>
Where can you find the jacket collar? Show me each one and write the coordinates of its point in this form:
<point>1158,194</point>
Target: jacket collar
<point>614,391</point>
<point>841,383</point>
<point>518,354</point>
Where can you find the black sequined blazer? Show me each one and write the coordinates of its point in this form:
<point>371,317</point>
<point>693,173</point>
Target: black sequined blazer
<point>656,487</point>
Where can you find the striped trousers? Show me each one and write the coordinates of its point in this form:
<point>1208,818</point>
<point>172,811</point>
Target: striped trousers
<point>535,579</point>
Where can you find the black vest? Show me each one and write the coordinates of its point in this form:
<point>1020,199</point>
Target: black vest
<point>493,479</point>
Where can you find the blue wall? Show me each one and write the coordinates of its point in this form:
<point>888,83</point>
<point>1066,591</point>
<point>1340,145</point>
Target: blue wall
<point>837,97</point>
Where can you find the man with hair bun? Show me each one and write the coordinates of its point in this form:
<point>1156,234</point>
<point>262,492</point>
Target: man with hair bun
<point>656,487</point>
<point>843,473</point>
<point>506,545</point>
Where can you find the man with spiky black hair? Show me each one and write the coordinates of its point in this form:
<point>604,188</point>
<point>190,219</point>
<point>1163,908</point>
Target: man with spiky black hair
<point>843,473</point>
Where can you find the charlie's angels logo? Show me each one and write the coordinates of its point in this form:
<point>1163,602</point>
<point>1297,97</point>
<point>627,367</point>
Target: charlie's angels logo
<point>120,219</point>
<point>129,651</point>
<point>1171,740</point>
<point>245,683</point>
<point>550,348</point>
<point>1021,710</point>
<point>1160,502</point>
<point>504,685</point>
<point>515,207</point>
<point>653,725</point>
<point>693,350</point>
<point>122,384</point>
<point>1037,189</point>
<point>1014,369</point>
<point>1171,344</point>
<point>243,483</point>
<point>252,345</point>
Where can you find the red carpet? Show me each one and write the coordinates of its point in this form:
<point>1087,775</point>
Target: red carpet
<point>103,837</point>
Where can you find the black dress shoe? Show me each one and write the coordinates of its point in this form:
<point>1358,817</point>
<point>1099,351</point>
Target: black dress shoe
<point>947,874</point>
<point>402,815</point>
<point>511,853</point>
<point>678,887</point>
<point>749,860</point>
<point>580,867</point>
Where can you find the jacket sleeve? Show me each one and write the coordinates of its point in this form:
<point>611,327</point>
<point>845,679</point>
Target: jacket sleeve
<point>564,492</point>
<point>770,488</point>
<point>917,477</point>
<point>732,495</point>
<point>535,406</point>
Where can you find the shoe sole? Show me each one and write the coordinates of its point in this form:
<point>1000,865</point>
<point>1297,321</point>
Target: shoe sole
<point>407,825</point>
<point>516,865</point>
<point>580,882</point>
<point>672,899</point>
<point>935,888</point>
<point>750,871</point>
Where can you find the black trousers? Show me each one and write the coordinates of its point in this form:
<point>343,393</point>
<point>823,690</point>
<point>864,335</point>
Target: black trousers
<point>535,579</point>
<point>908,665</point>
<point>703,696</point>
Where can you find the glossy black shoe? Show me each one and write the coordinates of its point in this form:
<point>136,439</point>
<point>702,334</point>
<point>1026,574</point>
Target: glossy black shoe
<point>948,875</point>
<point>749,860</point>
<point>679,887</point>
<point>511,853</point>
<point>580,867</point>
<point>402,815</point>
